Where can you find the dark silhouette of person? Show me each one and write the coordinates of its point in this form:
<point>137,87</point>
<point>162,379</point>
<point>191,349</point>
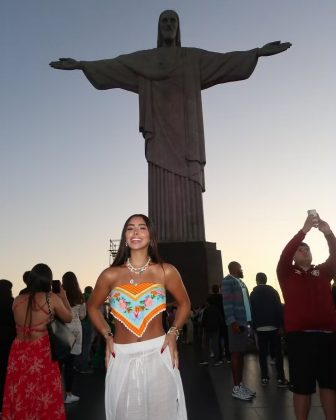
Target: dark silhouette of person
<point>212,320</point>
<point>7,330</point>
<point>217,299</point>
<point>267,320</point>
<point>25,278</point>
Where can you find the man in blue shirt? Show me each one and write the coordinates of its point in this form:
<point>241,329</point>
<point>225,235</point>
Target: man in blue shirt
<point>237,311</point>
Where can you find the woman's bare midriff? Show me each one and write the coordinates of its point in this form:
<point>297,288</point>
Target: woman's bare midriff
<point>123,336</point>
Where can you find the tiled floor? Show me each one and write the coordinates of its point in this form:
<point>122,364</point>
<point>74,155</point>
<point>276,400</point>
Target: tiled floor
<point>207,392</point>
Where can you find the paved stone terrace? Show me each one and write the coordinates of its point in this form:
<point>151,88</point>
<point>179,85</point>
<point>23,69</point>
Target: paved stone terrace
<point>207,391</point>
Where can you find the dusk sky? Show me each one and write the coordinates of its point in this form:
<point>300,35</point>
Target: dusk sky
<point>72,160</point>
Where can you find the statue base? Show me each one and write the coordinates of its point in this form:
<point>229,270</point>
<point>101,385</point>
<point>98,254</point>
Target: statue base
<point>200,266</point>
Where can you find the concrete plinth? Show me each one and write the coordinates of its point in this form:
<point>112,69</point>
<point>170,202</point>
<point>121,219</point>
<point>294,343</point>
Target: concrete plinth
<point>199,263</point>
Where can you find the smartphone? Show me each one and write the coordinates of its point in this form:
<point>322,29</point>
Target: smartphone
<point>313,212</point>
<point>56,286</point>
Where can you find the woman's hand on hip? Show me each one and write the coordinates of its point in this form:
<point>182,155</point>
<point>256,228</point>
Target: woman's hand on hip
<point>109,350</point>
<point>170,341</point>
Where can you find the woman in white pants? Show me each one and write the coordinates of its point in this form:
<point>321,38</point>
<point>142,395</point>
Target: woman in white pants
<point>142,380</point>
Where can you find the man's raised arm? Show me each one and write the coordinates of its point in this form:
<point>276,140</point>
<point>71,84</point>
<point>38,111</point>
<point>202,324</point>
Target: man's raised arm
<point>287,255</point>
<point>331,240</point>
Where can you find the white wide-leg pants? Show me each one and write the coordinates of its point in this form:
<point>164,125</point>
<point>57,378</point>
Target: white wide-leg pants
<point>142,384</point>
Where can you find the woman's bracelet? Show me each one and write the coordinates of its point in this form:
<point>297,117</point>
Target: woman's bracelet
<point>108,334</point>
<point>174,330</point>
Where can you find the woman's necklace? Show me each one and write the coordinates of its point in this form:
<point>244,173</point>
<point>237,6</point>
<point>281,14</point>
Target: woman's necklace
<point>137,270</point>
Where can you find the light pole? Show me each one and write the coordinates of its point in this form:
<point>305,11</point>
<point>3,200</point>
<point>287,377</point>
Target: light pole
<point>114,245</point>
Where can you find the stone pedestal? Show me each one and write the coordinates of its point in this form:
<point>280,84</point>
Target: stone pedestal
<point>199,263</point>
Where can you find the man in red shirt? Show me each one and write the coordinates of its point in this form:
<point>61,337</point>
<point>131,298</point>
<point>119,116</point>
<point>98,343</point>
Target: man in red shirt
<point>310,320</point>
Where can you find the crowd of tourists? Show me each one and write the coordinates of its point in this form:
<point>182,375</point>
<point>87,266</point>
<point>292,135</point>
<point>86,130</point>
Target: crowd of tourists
<point>304,327</point>
<point>125,323</point>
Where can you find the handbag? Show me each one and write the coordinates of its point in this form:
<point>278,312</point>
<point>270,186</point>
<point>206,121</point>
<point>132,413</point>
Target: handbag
<point>61,338</point>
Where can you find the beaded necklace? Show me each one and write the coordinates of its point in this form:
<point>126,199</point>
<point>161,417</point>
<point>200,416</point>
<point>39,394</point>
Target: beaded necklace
<point>137,270</point>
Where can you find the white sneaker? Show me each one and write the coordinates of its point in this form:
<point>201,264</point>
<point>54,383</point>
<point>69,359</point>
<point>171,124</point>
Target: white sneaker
<point>70,398</point>
<point>239,393</point>
<point>248,390</point>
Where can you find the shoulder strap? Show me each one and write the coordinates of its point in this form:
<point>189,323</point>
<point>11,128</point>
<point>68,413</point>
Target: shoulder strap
<point>51,316</point>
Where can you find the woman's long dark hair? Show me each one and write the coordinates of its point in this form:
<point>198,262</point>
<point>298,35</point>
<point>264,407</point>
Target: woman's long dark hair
<point>71,286</point>
<point>40,278</point>
<point>124,252</point>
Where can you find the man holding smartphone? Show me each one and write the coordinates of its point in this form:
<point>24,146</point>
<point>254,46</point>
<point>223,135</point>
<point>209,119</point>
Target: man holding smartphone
<point>310,320</point>
<point>237,311</point>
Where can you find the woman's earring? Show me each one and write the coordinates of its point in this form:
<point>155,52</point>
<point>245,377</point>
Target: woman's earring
<point>126,244</point>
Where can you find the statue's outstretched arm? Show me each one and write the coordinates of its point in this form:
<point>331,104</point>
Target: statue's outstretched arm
<point>272,48</point>
<point>66,64</point>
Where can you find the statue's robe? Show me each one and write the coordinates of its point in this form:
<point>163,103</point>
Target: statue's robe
<point>169,83</point>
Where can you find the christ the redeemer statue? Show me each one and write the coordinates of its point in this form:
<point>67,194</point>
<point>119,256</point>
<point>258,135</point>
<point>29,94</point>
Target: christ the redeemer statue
<point>169,80</point>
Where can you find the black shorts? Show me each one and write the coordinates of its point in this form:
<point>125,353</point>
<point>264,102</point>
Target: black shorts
<point>311,358</point>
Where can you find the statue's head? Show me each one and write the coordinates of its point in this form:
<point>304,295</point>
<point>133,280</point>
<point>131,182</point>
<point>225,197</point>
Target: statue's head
<point>169,29</point>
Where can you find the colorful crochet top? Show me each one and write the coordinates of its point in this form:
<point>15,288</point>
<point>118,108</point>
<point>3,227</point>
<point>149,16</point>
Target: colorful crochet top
<point>136,305</point>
